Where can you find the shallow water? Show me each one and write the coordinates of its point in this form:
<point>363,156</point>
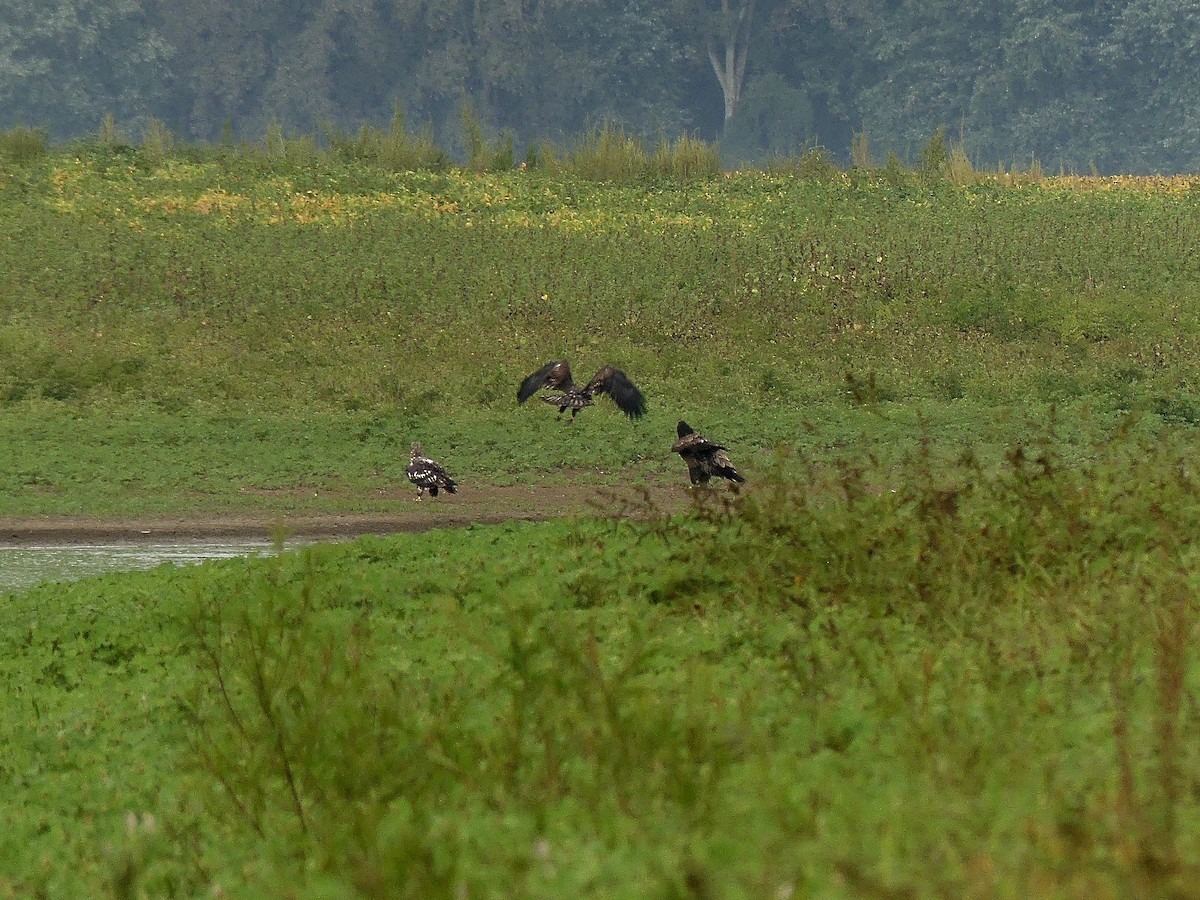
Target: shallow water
<point>25,566</point>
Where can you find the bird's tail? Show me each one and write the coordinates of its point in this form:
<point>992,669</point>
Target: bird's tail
<point>731,473</point>
<point>452,488</point>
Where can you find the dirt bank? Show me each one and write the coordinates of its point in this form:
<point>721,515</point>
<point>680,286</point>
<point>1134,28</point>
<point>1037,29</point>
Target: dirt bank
<point>486,504</point>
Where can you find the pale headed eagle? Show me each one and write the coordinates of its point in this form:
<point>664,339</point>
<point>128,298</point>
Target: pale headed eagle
<point>428,475</point>
<point>557,374</point>
<point>704,458</point>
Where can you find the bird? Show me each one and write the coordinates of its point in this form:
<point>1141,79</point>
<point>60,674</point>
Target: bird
<point>607,380</point>
<point>428,475</point>
<point>704,458</point>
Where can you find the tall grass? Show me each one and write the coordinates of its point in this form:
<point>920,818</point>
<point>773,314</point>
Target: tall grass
<point>158,144</point>
<point>685,157</point>
<point>283,151</point>
<point>609,153</point>
<point>393,149</point>
<point>20,145</point>
<point>606,153</point>
<point>815,164</point>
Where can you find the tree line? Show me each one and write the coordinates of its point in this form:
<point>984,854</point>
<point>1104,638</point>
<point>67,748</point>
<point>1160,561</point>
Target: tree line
<point>1103,85</point>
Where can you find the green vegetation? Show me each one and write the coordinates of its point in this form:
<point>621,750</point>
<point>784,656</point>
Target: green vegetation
<point>976,685</point>
<point>285,317</point>
<point>943,643</point>
<point>19,145</point>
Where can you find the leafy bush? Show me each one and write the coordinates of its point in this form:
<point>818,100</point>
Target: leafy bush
<point>312,740</point>
<point>931,537</point>
<point>328,750</point>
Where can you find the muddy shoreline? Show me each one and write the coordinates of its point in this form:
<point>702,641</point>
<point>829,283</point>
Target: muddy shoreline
<point>488,505</point>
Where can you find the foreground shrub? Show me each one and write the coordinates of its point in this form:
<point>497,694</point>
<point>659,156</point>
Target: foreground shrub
<point>327,747</point>
<point>930,537</point>
<point>924,655</point>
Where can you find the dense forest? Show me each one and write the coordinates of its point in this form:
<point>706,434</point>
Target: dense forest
<point>1107,86</point>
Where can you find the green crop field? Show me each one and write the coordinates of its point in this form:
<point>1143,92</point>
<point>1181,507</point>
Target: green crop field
<point>942,642</point>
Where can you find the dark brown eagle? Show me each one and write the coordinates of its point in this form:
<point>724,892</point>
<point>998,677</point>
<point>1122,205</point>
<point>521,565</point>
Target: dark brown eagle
<point>704,458</point>
<point>557,374</point>
<point>428,475</point>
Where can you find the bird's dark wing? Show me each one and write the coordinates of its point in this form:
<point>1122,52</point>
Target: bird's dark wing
<point>694,444</point>
<point>553,374</point>
<point>703,457</point>
<point>424,472</point>
<point>723,467</point>
<point>624,392</point>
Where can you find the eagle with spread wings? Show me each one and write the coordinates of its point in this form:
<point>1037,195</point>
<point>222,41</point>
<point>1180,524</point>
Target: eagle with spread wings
<point>428,475</point>
<point>704,458</point>
<point>608,380</point>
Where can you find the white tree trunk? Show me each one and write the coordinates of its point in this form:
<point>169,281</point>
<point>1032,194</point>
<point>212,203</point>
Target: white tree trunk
<point>729,61</point>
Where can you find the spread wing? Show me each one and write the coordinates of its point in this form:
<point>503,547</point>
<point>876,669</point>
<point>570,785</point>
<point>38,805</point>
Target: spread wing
<point>624,392</point>
<point>554,374</point>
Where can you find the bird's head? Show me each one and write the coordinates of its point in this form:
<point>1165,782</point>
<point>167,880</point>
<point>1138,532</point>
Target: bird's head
<point>599,383</point>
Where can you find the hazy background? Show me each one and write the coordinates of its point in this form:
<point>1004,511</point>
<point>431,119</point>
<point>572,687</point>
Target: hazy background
<point>1108,86</point>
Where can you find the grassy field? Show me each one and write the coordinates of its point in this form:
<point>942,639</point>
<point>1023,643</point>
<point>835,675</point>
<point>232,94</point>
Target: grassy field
<point>943,644</point>
<point>178,331</point>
